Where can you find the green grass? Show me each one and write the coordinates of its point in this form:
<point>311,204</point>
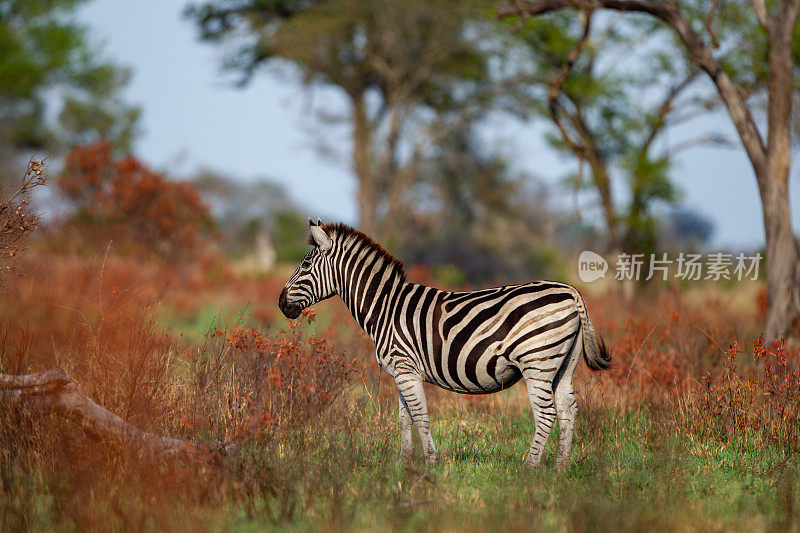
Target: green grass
<point>627,473</point>
<point>642,469</point>
<point>195,326</point>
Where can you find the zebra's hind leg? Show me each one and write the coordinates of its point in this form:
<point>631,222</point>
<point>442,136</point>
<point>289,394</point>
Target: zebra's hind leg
<point>566,405</point>
<point>406,425</point>
<point>410,387</point>
<point>567,409</point>
<point>544,413</point>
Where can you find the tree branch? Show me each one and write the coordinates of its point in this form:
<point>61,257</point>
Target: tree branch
<point>712,139</point>
<point>540,7</point>
<point>760,7</point>
<point>665,108</point>
<point>48,377</point>
<point>53,391</point>
<point>712,10</point>
<point>701,55</point>
<point>558,81</point>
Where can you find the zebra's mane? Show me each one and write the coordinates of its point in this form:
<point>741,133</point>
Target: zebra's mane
<point>342,232</point>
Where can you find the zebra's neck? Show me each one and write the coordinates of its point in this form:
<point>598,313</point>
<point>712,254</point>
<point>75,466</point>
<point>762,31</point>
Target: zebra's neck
<point>368,279</point>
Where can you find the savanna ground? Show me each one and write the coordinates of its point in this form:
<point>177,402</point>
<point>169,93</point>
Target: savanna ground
<point>687,431</point>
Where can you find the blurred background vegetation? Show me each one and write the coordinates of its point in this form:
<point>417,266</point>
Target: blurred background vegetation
<point>423,81</point>
<point>155,288</point>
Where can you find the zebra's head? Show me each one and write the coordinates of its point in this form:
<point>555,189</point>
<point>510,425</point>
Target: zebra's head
<point>312,281</point>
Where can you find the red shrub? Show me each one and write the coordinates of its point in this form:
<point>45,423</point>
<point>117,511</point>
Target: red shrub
<point>130,202</point>
<point>662,345</point>
<point>248,385</point>
<point>761,400</point>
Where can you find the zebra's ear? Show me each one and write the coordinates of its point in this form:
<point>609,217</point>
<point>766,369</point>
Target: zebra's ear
<point>321,238</point>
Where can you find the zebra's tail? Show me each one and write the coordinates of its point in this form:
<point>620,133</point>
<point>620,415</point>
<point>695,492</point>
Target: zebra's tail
<point>595,352</point>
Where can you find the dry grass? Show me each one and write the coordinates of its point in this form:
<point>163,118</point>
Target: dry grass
<point>97,318</point>
<point>315,418</point>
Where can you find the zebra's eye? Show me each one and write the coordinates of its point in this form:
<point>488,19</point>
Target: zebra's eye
<point>306,263</point>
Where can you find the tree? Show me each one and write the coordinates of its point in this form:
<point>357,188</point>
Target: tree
<point>130,202</point>
<point>764,67</point>
<point>609,115</point>
<point>469,211</point>
<point>686,229</point>
<point>246,211</point>
<point>46,53</point>
<point>388,57</point>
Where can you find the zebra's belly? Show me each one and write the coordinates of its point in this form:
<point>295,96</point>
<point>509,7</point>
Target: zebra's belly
<point>503,376</point>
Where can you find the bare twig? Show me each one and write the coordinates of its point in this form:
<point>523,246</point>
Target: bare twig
<point>712,10</point>
<point>637,355</point>
<point>16,218</point>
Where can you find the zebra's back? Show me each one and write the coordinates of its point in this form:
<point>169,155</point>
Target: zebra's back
<point>480,342</point>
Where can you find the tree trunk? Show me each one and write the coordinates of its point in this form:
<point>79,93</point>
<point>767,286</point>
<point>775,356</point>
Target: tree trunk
<point>771,161</point>
<point>602,182</point>
<point>395,179</point>
<point>782,265</point>
<point>368,190</point>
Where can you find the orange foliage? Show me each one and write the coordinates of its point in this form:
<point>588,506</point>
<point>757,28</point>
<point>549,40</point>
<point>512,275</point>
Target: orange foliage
<point>661,346</point>
<point>131,202</point>
<point>97,318</point>
<point>284,379</point>
<point>762,399</point>
<point>67,307</point>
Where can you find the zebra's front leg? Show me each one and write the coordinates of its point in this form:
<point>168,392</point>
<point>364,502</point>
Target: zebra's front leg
<point>413,395</point>
<point>406,425</point>
<point>544,413</point>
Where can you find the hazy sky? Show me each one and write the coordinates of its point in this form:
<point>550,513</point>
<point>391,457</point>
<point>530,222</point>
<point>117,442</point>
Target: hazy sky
<point>194,118</point>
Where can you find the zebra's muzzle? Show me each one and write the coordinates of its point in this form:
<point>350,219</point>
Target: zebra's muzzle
<point>290,309</point>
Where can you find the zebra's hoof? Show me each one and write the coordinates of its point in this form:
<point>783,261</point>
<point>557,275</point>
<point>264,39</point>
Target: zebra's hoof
<point>432,460</point>
<point>403,459</point>
<point>532,463</point>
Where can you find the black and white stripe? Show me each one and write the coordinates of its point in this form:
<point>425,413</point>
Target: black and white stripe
<point>469,342</point>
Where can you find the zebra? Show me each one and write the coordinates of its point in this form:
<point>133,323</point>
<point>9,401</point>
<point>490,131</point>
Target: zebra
<point>475,342</point>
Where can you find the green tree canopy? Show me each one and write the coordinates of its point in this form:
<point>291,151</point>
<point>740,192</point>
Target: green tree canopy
<point>56,88</point>
<point>749,52</point>
<point>611,89</point>
<point>390,58</point>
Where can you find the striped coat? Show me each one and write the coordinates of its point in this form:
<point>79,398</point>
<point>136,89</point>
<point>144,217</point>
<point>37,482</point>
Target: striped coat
<point>469,342</point>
